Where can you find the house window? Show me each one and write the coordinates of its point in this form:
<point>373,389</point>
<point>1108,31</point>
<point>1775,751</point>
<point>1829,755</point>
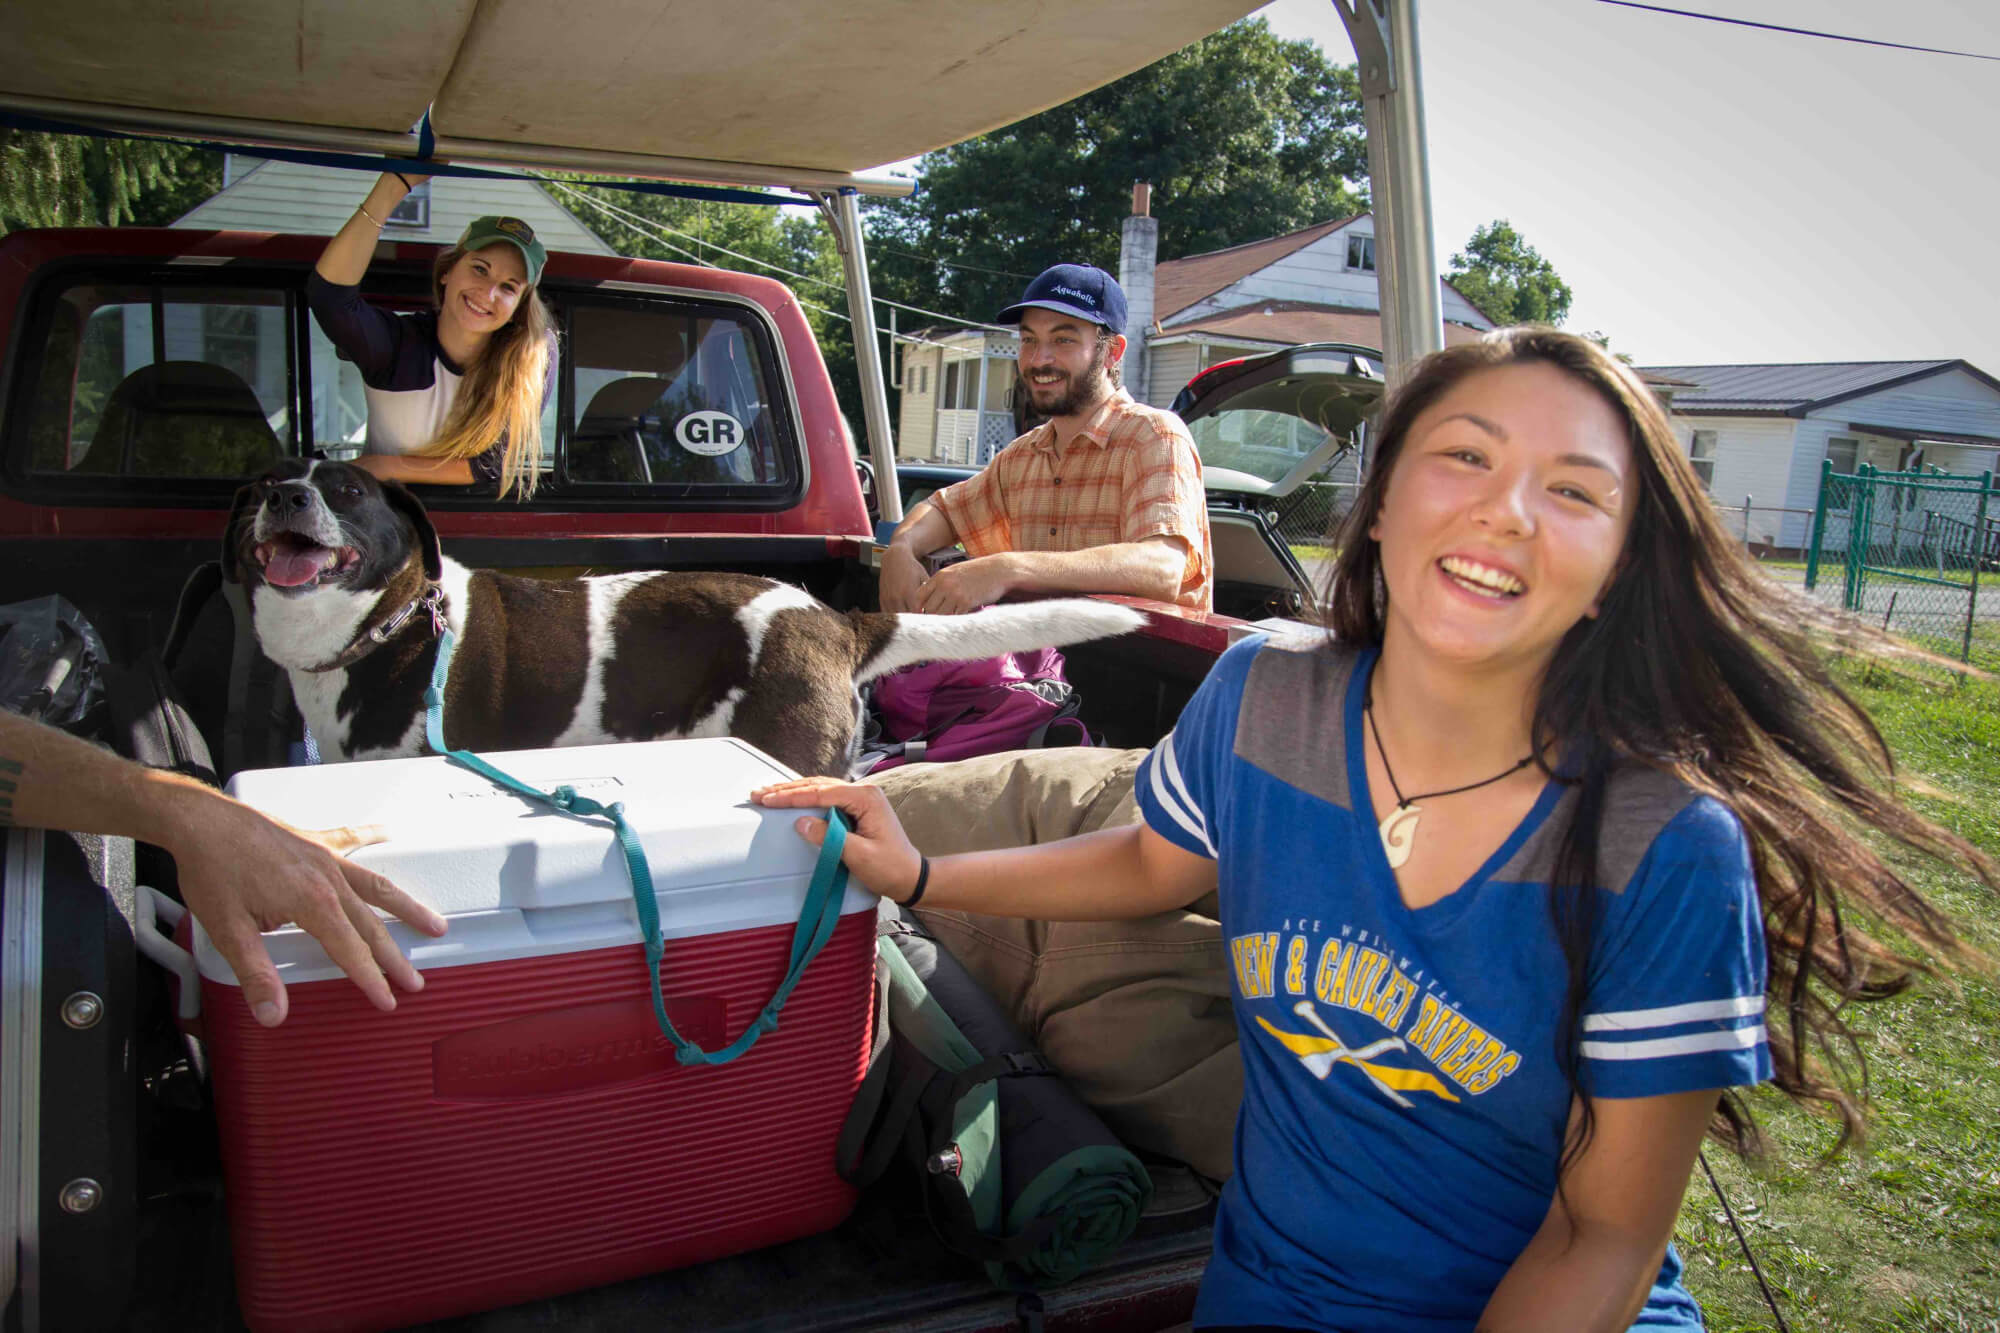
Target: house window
<point>1701,452</point>
<point>1361,252</point>
<point>1844,452</point>
<point>414,211</point>
<point>923,379</point>
<point>948,390</point>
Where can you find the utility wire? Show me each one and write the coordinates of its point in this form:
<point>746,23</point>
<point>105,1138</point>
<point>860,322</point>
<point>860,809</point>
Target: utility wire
<point>1799,32</point>
<point>646,226</point>
<point>661,231</point>
<point>952,264</point>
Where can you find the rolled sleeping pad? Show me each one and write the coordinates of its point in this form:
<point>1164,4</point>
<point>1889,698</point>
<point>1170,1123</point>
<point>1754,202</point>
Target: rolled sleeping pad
<point>1009,1152</point>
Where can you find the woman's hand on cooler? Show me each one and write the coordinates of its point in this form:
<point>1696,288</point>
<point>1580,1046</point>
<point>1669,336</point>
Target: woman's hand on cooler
<point>877,851</point>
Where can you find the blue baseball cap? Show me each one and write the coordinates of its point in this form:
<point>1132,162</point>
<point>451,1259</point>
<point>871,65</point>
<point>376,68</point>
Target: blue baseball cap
<point>1073,289</point>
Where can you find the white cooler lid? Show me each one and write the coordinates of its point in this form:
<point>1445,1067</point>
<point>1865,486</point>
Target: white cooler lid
<point>517,879</point>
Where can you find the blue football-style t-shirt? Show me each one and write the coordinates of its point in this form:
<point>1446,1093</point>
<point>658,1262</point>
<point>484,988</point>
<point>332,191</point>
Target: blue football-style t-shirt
<point>1403,1110</point>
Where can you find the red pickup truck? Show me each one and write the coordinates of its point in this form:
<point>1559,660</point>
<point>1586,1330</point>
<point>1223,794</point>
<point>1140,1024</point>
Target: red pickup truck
<point>147,373</point>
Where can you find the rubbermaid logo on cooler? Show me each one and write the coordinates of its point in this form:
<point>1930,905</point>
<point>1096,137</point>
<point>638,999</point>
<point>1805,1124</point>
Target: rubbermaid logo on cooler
<point>566,1050</point>
<point>472,1065</point>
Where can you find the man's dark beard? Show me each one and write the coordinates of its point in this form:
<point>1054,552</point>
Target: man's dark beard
<point>1081,392</point>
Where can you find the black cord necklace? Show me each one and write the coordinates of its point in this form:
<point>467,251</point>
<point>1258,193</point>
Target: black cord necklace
<point>1399,826</point>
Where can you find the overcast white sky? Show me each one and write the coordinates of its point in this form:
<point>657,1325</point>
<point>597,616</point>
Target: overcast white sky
<point>1714,193</point>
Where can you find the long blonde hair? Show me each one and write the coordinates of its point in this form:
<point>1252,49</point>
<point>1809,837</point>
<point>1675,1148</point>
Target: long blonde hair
<point>501,394</point>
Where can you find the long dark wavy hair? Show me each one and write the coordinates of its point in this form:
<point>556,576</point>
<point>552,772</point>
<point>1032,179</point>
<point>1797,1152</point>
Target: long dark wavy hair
<point>1699,666</point>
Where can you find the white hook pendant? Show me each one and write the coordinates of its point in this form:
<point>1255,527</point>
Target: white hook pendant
<point>1399,834</point>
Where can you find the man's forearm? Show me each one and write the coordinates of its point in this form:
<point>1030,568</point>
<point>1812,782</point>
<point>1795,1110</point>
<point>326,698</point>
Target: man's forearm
<point>923,530</point>
<point>50,779</point>
<point>1137,569</point>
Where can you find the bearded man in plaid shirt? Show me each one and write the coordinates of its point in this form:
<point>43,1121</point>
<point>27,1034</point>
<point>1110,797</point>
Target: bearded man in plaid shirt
<point>1106,496</point>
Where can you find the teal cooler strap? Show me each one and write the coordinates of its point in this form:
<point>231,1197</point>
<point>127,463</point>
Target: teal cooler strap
<point>817,917</point>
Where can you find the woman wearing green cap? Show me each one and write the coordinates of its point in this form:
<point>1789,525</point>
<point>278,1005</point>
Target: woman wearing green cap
<point>454,394</point>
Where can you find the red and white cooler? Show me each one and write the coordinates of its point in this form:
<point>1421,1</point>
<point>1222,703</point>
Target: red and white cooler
<point>520,1127</point>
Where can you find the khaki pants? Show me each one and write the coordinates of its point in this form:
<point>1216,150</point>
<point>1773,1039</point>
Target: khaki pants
<point>1135,1014</point>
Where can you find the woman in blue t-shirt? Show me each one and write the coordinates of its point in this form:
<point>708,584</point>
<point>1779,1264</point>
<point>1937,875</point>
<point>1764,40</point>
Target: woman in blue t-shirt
<point>1508,864</point>
<point>454,394</point>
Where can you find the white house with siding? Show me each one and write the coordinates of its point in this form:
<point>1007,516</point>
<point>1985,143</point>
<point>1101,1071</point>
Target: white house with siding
<point>1316,284</point>
<point>1313,285</point>
<point>263,195</point>
<point>1761,433</point>
<point>957,386</point>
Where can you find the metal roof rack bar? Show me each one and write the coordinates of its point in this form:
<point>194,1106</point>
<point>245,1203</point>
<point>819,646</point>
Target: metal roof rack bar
<point>333,138</point>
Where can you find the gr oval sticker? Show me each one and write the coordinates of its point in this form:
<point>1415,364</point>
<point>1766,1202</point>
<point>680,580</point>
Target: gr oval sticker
<point>710,433</point>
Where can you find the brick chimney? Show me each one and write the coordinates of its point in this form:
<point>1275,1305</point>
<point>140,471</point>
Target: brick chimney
<point>1138,251</point>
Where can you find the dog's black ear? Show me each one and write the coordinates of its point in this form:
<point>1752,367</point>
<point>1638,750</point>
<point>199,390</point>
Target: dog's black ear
<point>239,514</point>
<point>410,507</point>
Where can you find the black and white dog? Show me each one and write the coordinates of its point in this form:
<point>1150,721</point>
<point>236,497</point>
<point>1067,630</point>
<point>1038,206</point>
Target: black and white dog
<point>348,589</point>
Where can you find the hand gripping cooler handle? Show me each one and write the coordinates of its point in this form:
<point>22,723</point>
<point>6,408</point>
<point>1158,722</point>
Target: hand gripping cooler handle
<point>817,917</point>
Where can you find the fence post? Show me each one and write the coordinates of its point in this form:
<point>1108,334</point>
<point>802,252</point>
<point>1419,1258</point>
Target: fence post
<point>1978,558</point>
<point>1857,534</point>
<point>1818,524</point>
<point>1746,520</point>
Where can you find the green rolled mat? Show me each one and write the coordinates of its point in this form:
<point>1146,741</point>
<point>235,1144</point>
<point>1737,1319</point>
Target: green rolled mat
<point>1020,1173</point>
<point>1094,1195</point>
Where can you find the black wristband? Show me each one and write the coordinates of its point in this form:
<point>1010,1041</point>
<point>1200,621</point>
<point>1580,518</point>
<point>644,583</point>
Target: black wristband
<point>923,881</point>
<point>407,187</point>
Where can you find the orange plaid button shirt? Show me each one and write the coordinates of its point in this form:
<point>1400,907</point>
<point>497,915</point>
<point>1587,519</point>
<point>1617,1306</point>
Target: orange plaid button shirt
<point>1130,473</point>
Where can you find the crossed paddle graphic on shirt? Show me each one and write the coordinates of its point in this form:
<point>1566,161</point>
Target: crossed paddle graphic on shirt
<point>1320,1054</point>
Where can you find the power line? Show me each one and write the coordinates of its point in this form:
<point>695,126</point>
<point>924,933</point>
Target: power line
<point>647,226</point>
<point>947,263</point>
<point>1798,32</point>
<point>661,231</point>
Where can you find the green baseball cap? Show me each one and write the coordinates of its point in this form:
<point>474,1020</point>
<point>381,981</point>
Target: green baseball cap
<point>494,230</point>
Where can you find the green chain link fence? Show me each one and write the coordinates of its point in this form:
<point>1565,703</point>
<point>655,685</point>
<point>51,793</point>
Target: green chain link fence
<point>1910,551</point>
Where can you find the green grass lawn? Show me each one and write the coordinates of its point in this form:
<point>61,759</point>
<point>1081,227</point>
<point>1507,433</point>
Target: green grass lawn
<point>1906,1235</point>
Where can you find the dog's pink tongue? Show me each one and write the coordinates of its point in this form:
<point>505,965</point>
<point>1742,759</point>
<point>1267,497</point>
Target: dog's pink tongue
<point>288,569</point>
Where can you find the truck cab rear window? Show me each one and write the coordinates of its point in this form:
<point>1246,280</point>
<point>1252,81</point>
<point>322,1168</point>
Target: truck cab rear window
<point>154,382</point>
<point>132,387</point>
<point>683,398</point>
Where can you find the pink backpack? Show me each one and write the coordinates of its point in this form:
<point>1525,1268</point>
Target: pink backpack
<point>954,710</point>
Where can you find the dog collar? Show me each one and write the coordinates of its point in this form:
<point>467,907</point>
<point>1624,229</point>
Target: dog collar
<point>431,599</point>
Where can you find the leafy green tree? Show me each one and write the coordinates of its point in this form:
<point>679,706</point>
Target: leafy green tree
<point>750,238</point>
<point>75,180</point>
<point>1243,136</point>
<point>1508,279</point>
